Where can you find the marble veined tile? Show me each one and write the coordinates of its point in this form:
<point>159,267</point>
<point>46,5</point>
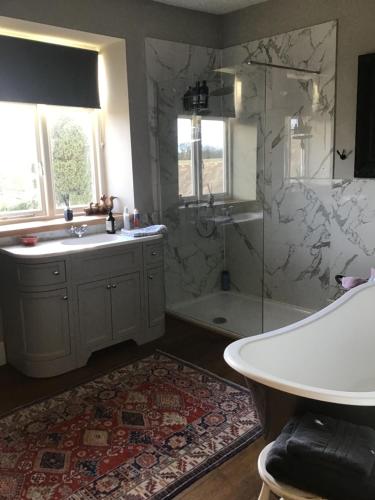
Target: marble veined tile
<point>311,225</point>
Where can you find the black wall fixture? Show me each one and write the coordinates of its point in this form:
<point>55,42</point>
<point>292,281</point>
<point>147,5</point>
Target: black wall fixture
<point>365,129</point>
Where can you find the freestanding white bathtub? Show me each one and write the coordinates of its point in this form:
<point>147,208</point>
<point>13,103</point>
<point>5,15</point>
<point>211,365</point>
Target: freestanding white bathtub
<point>328,357</point>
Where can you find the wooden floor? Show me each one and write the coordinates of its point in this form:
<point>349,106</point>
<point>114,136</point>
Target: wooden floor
<point>236,479</point>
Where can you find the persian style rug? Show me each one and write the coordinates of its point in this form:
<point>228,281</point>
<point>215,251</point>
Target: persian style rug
<point>144,431</point>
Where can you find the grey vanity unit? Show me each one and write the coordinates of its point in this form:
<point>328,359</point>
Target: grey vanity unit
<point>63,300</point>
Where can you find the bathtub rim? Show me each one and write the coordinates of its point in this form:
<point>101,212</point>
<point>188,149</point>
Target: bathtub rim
<point>232,356</point>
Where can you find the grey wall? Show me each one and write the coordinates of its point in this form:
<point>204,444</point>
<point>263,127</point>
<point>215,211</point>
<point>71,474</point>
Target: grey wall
<point>133,20</point>
<point>355,36</point>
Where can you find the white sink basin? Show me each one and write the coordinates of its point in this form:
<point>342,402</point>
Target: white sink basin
<point>92,240</point>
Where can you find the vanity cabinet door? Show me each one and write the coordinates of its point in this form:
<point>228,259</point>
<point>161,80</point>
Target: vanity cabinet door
<point>155,296</point>
<point>45,324</point>
<point>94,311</point>
<point>126,306</point>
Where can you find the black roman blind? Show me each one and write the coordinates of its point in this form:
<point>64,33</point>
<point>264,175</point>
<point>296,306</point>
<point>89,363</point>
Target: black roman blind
<point>45,73</point>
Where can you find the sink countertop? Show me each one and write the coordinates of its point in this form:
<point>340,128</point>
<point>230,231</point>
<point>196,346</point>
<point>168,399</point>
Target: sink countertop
<point>74,244</point>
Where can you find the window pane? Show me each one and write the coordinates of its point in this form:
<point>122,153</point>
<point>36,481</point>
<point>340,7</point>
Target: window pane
<point>19,171</point>
<point>299,135</point>
<point>71,142</point>
<point>185,163</point>
<point>213,165</point>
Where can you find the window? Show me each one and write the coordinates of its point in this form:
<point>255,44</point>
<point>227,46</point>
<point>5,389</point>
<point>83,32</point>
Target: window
<point>202,165</point>
<point>297,148</point>
<point>47,153</point>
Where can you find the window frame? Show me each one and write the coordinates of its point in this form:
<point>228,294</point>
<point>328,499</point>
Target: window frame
<point>49,210</point>
<point>30,214</point>
<point>197,160</point>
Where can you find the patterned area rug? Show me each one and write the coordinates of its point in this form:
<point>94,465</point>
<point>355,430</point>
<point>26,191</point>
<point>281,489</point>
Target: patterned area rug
<point>145,431</point>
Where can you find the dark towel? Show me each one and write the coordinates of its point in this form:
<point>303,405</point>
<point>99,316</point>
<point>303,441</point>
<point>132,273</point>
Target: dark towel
<point>312,477</point>
<point>325,441</point>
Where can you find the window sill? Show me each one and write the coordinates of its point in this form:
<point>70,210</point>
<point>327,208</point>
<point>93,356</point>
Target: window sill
<point>21,228</point>
<point>218,203</point>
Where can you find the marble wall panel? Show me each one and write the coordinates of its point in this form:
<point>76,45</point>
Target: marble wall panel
<point>193,262</point>
<point>295,264</point>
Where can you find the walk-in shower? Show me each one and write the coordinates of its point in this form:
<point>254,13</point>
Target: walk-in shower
<point>272,130</point>
<point>237,183</point>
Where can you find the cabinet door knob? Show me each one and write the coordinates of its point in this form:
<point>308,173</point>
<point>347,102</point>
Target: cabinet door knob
<point>108,287</point>
<point>65,297</point>
<point>114,285</point>
<point>150,277</point>
<point>56,273</point>
<point>154,253</point>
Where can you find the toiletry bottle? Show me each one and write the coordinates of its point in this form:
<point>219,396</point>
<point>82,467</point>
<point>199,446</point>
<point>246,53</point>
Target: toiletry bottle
<point>127,224</point>
<point>195,96</point>
<point>225,280</point>
<point>110,223</point>
<point>187,100</point>
<point>136,219</point>
<point>203,95</point>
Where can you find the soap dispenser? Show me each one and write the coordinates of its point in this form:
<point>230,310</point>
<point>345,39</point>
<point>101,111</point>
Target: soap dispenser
<point>127,224</point>
<point>110,223</point>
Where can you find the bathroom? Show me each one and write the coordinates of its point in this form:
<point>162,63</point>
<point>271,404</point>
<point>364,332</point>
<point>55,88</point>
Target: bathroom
<point>256,187</point>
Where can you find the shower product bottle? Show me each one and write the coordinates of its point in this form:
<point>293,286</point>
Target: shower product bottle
<point>195,96</point>
<point>136,219</point>
<point>126,216</point>
<point>225,281</point>
<point>187,100</point>
<point>110,223</point>
<point>203,95</point>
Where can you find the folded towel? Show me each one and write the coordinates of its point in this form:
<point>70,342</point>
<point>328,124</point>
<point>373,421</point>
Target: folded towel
<point>145,231</point>
<point>278,463</point>
<point>313,477</point>
<point>325,441</point>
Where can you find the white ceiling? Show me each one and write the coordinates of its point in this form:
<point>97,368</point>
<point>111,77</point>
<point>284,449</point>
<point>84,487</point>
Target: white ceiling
<point>212,6</point>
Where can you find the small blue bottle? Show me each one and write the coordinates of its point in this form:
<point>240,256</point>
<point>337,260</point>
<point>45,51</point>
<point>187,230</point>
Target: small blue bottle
<point>225,281</point>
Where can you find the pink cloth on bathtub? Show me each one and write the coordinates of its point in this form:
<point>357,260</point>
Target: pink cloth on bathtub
<point>349,282</point>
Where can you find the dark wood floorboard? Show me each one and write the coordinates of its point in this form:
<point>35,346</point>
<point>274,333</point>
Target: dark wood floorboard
<point>236,479</point>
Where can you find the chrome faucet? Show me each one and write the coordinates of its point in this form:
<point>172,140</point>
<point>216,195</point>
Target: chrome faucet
<point>211,198</point>
<point>78,230</point>
<point>228,210</point>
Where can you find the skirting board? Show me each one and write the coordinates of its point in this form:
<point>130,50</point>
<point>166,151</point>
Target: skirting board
<point>3,359</point>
